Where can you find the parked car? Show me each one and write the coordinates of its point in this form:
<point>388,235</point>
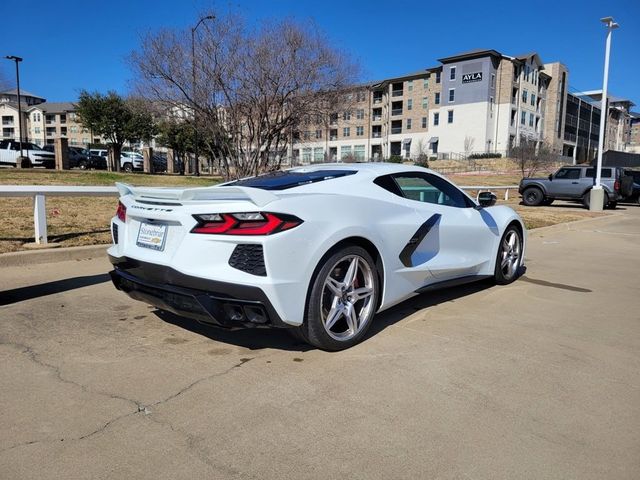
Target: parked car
<point>317,249</point>
<point>130,161</point>
<point>81,158</point>
<point>159,161</point>
<point>635,194</point>
<point>99,152</point>
<point>575,182</point>
<point>34,156</point>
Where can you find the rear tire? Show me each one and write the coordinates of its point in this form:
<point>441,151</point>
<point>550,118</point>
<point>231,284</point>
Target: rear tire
<point>532,196</point>
<point>82,165</point>
<point>128,167</point>
<point>509,256</point>
<point>342,300</point>
<point>586,200</point>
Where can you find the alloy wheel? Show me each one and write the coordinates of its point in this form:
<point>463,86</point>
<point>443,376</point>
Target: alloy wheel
<point>510,253</point>
<point>347,301</point>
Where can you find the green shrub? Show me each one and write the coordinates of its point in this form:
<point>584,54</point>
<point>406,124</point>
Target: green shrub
<point>395,159</point>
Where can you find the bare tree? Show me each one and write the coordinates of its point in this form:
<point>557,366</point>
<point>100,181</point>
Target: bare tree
<point>468,145</point>
<point>532,157</point>
<point>253,87</point>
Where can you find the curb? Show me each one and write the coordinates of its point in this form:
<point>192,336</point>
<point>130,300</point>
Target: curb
<point>36,257</point>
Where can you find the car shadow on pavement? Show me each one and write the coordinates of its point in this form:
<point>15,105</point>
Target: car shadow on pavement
<point>21,294</point>
<point>425,300</point>
<point>251,338</point>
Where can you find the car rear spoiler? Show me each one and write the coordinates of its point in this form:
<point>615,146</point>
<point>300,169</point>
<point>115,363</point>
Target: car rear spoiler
<point>256,196</point>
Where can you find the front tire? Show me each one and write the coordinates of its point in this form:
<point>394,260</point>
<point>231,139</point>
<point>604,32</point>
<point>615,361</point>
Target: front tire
<point>128,167</point>
<point>532,196</point>
<point>342,300</point>
<point>509,258</point>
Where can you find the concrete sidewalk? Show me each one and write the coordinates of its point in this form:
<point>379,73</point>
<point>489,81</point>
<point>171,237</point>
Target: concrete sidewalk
<point>539,379</point>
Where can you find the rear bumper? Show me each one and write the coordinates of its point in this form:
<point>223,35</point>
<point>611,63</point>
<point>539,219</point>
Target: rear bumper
<point>223,304</point>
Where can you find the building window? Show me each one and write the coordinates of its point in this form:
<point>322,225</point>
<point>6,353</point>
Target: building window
<point>436,119</point>
<point>345,151</point>
<point>531,119</point>
<point>318,154</point>
<point>410,85</point>
<point>424,122</point>
<point>359,131</point>
<point>409,104</point>
<point>306,154</point>
<point>36,129</point>
<point>452,73</point>
<point>318,134</point>
<point>452,95</point>
<point>450,116</point>
<point>360,113</point>
<point>425,102</point>
<point>408,124</point>
<point>425,83</point>
<point>358,152</point>
<point>493,80</point>
<point>437,77</point>
<point>361,96</point>
<point>437,99</point>
<point>533,100</point>
<point>346,132</point>
<point>524,96</point>
<point>523,118</point>
<point>346,116</point>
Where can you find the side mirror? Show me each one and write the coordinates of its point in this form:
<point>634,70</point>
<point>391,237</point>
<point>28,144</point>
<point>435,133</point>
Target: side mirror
<point>486,199</point>
<point>551,176</point>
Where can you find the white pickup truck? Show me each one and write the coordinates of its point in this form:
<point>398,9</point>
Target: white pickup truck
<point>37,157</point>
<point>129,161</point>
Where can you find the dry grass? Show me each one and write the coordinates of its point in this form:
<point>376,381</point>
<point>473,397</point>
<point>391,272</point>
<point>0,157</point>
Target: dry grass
<point>85,220</point>
<point>71,221</point>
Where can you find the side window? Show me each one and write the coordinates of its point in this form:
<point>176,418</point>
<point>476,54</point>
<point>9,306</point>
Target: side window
<point>423,187</point>
<point>568,174</point>
<point>604,173</point>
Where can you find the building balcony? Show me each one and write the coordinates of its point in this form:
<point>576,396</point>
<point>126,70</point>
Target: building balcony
<point>396,111</point>
<point>333,137</point>
<point>397,93</point>
<point>395,130</point>
<point>8,123</point>
<point>376,118</point>
<point>377,100</point>
<point>376,135</point>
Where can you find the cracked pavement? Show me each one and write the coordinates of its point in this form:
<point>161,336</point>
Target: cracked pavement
<point>540,379</point>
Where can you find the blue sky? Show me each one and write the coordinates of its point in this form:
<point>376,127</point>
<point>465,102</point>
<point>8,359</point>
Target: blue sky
<point>69,45</point>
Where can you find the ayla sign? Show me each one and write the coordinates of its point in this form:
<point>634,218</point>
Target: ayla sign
<point>472,77</point>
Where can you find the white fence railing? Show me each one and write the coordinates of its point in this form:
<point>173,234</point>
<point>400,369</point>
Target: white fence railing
<point>40,192</point>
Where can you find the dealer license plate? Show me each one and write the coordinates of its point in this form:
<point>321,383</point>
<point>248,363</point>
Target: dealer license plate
<point>152,235</point>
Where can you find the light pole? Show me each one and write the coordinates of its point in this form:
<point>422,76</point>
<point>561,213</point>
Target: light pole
<point>193,90</point>
<point>596,200</point>
<point>18,60</point>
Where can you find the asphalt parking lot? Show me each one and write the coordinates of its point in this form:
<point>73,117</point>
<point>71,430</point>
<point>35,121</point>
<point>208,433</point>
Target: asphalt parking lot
<point>539,379</point>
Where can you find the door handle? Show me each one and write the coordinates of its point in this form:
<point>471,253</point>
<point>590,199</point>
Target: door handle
<point>575,183</point>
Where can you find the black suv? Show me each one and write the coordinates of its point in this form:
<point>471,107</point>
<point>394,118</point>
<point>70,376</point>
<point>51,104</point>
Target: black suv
<point>81,158</point>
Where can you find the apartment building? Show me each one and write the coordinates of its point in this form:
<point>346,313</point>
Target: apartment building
<point>42,121</point>
<point>477,101</point>
<point>634,143</point>
<point>51,120</point>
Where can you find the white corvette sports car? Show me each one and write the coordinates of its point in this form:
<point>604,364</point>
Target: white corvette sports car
<point>319,249</point>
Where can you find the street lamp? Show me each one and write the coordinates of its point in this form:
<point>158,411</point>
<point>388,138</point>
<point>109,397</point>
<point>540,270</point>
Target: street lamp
<point>193,92</point>
<point>18,60</point>
<point>596,200</point>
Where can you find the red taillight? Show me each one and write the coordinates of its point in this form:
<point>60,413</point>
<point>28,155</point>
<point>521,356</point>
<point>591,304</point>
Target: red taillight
<point>121,213</point>
<point>254,223</point>
<point>616,185</point>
